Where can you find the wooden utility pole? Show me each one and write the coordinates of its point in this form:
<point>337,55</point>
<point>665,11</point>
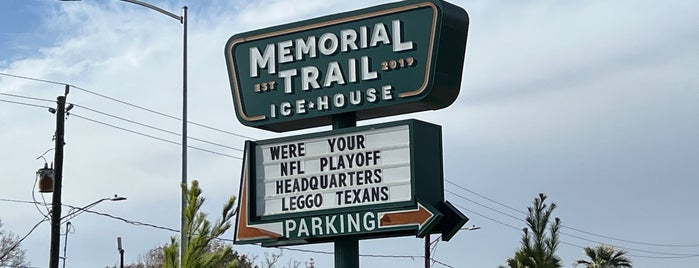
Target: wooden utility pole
<point>58,179</point>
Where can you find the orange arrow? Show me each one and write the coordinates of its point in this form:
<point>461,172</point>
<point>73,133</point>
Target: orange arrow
<point>419,216</point>
<point>245,231</point>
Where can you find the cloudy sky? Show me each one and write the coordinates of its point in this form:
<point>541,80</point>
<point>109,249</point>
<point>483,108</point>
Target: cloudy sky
<point>594,103</point>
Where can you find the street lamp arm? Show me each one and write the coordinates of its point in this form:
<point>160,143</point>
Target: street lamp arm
<point>75,211</point>
<point>168,13</point>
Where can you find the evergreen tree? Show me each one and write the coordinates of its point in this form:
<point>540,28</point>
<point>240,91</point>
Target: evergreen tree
<point>201,250</point>
<point>540,238</point>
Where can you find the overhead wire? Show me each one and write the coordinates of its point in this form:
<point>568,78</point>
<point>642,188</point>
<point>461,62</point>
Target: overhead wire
<point>569,227</point>
<point>36,204</point>
<point>22,239</point>
<point>127,104</point>
<point>26,97</point>
<point>139,223</point>
<point>156,128</point>
<point>631,241</point>
<point>487,207</point>
<point>153,137</point>
<point>137,132</point>
<point>485,197</point>
<point>242,136</point>
<point>25,104</point>
<point>680,255</point>
<point>412,257</point>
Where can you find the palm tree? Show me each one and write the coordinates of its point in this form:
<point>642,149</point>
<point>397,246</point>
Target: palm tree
<point>603,256</point>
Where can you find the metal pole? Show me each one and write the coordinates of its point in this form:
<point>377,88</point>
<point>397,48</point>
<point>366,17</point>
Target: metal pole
<point>347,252</point>
<point>346,248</point>
<point>121,258</point>
<point>183,235</point>
<point>121,252</point>
<point>58,179</point>
<point>183,20</point>
<point>65,245</point>
<point>427,251</point>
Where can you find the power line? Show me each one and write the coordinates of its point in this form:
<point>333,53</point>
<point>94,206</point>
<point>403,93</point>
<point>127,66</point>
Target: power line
<point>498,211</point>
<point>565,226</point>
<point>136,132</point>
<point>22,239</point>
<point>632,242</point>
<point>242,136</point>
<point>132,222</point>
<point>126,103</point>
<point>497,221</point>
<point>412,257</point>
<point>156,128</point>
<point>484,197</point>
<point>441,263</point>
<point>153,137</point>
<point>681,255</point>
<point>26,97</point>
<point>32,79</point>
<point>160,113</point>
<point>633,249</point>
<point>138,223</point>
<point>674,255</point>
<point>26,104</point>
<point>36,204</point>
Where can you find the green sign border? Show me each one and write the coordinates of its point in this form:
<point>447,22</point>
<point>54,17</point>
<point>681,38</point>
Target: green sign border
<point>427,178</point>
<point>442,79</point>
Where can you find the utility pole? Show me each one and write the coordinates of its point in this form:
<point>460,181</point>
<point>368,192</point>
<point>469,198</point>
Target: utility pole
<point>57,184</point>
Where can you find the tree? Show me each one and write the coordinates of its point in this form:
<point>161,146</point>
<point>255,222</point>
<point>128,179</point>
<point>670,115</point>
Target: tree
<point>540,239</point>
<point>603,256</point>
<point>11,254</point>
<point>202,249</point>
<point>155,257</point>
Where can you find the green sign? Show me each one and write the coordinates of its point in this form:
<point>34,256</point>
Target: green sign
<point>369,181</point>
<point>385,60</point>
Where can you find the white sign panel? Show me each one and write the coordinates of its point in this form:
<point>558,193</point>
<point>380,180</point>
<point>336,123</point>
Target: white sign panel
<point>339,171</point>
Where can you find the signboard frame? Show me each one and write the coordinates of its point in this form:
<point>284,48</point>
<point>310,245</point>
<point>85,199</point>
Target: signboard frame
<point>427,186</point>
<point>439,88</point>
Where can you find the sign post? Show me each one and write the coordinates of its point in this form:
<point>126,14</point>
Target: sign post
<point>353,182</point>
<point>361,182</point>
<point>346,248</point>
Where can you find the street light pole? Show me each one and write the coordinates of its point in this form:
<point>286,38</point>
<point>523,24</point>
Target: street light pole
<point>184,239</point>
<point>183,20</point>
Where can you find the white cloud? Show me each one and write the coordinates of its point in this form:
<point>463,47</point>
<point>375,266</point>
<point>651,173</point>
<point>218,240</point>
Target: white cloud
<point>556,97</point>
